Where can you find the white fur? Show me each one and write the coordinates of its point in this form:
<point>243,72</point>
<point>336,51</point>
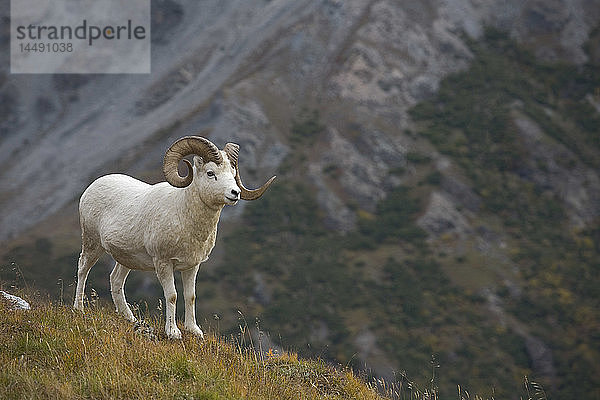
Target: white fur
<point>154,227</point>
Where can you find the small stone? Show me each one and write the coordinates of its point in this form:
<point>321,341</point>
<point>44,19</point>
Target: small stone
<point>15,302</point>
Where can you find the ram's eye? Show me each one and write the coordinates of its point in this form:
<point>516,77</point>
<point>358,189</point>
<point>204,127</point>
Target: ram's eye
<point>210,174</point>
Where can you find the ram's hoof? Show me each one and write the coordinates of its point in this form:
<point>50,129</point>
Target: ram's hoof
<point>173,333</point>
<point>195,330</point>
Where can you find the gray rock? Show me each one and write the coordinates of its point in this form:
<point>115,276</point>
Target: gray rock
<point>15,302</point>
<point>460,193</point>
<point>441,217</point>
<point>554,168</point>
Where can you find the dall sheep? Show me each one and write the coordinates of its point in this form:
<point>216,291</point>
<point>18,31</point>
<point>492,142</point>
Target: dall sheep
<point>164,227</point>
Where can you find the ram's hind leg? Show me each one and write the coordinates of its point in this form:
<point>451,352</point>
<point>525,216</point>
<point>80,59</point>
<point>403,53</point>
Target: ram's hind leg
<point>90,253</point>
<point>117,283</point>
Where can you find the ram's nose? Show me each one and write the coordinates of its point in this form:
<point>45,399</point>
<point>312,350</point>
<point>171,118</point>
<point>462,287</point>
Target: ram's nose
<point>233,195</point>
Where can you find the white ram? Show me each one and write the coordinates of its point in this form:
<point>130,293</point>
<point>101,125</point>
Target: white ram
<point>164,227</point>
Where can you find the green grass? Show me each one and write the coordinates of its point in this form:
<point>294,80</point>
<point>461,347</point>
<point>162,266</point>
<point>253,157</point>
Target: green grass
<point>55,352</point>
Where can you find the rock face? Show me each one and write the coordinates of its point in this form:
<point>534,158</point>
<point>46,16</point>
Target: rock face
<point>555,168</point>
<point>442,217</point>
<point>244,69</point>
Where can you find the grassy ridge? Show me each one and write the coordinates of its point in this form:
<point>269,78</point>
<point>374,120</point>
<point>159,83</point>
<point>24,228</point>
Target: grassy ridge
<point>54,352</point>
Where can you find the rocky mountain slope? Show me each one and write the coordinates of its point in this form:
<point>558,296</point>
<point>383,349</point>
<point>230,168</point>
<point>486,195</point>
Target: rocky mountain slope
<point>437,170</point>
<point>245,69</point>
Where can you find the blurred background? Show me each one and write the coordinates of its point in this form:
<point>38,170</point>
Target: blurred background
<point>438,188</point>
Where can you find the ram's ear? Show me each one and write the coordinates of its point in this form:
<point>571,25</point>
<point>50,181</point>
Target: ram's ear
<point>198,162</point>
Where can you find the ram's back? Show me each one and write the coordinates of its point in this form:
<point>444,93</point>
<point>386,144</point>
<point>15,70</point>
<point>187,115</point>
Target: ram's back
<point>110,204</point>
<point>110,195</point>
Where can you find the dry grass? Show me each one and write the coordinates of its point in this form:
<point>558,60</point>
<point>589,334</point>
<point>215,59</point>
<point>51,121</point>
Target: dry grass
<point>53,352</point>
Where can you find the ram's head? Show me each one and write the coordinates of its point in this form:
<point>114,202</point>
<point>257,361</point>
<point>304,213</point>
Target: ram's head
<point>216,172</point>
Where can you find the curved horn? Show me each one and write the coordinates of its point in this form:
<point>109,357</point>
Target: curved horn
<point>233,150</point>
<point>184,147</point>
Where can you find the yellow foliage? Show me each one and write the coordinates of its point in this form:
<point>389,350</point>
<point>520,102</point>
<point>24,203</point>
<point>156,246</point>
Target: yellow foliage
<point>565,296</point>
<point>365,215</point>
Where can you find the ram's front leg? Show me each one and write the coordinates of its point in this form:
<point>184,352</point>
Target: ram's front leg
<point>164,271</point>
<point>189,294</point>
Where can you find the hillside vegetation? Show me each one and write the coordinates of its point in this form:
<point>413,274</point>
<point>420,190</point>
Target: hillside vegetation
<point>54,352</point>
